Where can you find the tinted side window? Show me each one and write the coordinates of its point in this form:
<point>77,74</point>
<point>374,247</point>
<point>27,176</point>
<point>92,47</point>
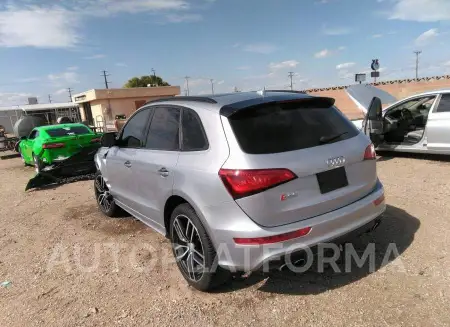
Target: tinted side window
<point>133,134</point>
<point>33,135</point>
<point>164,130</point>
<point>193,135</point>
<point>444,104</point>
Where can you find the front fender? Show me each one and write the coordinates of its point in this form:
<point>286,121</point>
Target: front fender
<point>100,160</point>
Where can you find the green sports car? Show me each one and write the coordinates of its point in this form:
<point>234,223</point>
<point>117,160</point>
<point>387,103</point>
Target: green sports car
<point>47,145</point>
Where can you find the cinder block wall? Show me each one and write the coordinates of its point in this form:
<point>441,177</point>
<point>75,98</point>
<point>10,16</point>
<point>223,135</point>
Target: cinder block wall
<point>400,89</point>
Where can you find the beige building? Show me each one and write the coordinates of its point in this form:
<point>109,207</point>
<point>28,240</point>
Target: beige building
<point>102,105</point>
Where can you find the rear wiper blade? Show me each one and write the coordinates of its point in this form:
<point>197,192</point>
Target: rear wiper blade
<point>330,138</point>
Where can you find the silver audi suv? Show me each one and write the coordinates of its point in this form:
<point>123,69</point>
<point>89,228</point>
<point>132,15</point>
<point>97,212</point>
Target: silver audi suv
<point>238,180</point>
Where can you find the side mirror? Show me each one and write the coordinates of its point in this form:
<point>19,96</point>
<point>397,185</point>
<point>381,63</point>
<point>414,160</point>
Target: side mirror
<point>23,138</point>
<point>109,139</point>
<point>375,111</point>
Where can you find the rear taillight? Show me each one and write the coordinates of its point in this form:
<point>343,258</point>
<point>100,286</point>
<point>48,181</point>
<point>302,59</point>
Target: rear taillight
<point>370,153</point>
<point>96,140</point>
<point>273,239</point>
<point>245,182</point>
<point>53,145</point>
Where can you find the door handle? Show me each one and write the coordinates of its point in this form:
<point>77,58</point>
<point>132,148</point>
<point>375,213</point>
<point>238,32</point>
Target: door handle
<point>127,164</point>
<point>163,172</point>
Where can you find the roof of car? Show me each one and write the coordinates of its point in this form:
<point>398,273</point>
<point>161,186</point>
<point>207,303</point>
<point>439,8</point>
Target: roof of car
<point>438,91</point>
<point>228,103</point>
<point>235,97</point>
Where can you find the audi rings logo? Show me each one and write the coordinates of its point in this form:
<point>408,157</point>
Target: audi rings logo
<point>336,162</point>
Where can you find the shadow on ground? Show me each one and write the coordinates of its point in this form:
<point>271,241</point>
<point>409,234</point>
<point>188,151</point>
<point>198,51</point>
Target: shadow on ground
<point>397,227</point>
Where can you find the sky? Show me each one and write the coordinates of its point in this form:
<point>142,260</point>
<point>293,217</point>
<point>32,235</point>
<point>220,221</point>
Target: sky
<point>47,46</point>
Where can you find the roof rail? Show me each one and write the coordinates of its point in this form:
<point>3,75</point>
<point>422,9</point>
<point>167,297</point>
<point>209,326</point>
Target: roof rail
<point>184,98</point>
<point>285,91</point>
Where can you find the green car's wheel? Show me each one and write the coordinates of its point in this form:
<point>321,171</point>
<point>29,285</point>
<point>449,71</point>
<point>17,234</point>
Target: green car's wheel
<point>37,164</point>
<point>23,159</point>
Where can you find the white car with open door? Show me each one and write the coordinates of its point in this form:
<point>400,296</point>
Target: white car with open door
<point>417,124</point>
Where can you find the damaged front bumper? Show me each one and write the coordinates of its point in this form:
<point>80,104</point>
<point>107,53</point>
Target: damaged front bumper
<point>79,166</point>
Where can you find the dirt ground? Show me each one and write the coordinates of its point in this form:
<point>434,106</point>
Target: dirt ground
<point>70,266</point>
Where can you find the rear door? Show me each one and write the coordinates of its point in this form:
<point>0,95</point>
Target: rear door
<point>438,126</point>
<point>154,167</point>
<point>120,159</point>
<point>321,148</point>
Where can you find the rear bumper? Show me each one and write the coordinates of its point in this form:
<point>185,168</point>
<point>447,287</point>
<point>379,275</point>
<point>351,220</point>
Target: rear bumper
<point>324,228</point>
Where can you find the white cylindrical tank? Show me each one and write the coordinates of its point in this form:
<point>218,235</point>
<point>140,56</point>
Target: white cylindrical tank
<point>25,125</point>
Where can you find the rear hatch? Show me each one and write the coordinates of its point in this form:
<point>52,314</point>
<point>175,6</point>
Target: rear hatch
<point>291,161</point>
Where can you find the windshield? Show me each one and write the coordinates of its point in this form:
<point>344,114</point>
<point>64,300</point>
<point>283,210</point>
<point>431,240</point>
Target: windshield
<point>68,131</point>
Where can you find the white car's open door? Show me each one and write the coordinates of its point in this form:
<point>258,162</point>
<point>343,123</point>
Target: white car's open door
<point>362,95</point>
<point>372,125</point>
<point>370,100</point>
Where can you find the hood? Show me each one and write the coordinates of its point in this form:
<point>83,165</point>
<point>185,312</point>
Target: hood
<point>362,95</point>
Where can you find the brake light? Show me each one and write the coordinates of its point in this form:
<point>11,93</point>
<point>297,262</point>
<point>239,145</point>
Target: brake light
<point>370,153</point>
<point>245,182</point>
<point>53,145</point>
<point>274,238</point>
<point>98,139</point>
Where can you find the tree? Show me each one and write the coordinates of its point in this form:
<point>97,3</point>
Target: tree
<point>145,81</point>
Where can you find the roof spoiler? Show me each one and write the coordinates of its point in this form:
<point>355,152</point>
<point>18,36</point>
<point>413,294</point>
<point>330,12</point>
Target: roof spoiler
<point>304,102</point>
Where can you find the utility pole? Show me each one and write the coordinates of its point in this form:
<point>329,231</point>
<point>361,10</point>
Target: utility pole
<point>212,86</point>
<point>49,98</point>
<point>70,93</point>
<point>105,75</point>
<point>154,77</point>
<point>417,63</point>
<point>187,84</point>
<point>291,75</point>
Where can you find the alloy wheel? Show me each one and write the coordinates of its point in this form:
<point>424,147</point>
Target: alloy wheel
<point>188,248</point>
<point>104,198</point>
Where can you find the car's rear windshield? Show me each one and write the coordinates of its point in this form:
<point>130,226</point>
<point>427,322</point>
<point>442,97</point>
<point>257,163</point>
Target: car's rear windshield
<point>68,131</point>
<point>282,127</point>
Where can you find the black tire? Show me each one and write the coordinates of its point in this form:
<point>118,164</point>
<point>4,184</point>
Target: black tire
<point>23,159</point>
<point>38,164</point>
<point>111,210</point>
<point>213,275</point>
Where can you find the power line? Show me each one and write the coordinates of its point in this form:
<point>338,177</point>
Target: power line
<point>212,85</point>
<point>70,93</point>
<point>105,75</point>
<point>417,63</point>
<point>49,98</point>
<point>291,75</point>
<point>187,84</point>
